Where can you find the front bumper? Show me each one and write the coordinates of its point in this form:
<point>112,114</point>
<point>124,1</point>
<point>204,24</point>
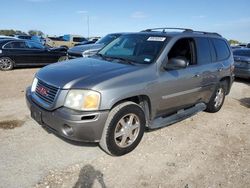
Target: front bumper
<point>70,124</point>
<point>242,72</point>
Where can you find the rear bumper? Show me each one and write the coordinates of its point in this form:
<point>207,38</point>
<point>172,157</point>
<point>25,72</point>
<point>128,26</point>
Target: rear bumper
<point>70,124</point>
<point>242,72</point>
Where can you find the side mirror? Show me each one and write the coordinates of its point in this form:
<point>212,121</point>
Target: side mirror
<point>176,63</point>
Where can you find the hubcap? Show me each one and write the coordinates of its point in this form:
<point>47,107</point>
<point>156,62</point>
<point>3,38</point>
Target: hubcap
<point>127,130</point>
<point>219,97</point>
<point>5,63</point>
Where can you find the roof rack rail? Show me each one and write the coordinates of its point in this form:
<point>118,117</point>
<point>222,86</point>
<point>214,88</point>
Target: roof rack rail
<point>208,33</point>
<point>163,29</point>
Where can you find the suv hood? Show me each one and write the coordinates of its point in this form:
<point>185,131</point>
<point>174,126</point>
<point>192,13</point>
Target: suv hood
<point>82,73</point>
<point>82,48</point>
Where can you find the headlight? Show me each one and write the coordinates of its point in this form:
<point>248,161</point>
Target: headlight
<point>84,100</point>
<point>1,51</point>
<point>34,84</point>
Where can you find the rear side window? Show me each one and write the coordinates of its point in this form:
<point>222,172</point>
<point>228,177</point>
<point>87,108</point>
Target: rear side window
<point>15,45</point>
<point>203,51</point>
<point>221,48</point>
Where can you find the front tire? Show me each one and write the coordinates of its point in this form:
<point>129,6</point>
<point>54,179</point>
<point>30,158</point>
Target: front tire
<point>6,64</point>
<point>217,99</point>
<point>123,129</point>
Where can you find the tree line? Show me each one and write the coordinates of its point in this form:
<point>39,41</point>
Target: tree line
<point>11,32</point>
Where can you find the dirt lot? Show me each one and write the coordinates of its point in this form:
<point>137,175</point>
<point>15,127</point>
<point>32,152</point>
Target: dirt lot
<point>207,150</point>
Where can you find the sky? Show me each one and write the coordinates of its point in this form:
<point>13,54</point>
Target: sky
<point>230,18</point>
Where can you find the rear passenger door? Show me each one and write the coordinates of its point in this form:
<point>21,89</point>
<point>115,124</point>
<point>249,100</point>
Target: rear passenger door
<point>17,50</point>
<point>208,68</point>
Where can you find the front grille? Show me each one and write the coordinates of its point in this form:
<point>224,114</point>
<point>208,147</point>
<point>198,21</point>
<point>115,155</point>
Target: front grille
<point>46,92</point>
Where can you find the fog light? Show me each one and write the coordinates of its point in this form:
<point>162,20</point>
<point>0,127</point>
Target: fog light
<point>67,130</point>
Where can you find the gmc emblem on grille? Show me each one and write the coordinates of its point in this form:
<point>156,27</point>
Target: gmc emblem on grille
<point>43,91</point>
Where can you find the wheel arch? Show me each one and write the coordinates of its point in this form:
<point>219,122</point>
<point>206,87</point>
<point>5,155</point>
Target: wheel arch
<point>142,100</point>
<point>227,79</point>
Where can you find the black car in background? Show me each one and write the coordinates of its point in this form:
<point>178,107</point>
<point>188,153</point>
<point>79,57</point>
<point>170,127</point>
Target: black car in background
<point>242,62</point>
<point>91,49</point>
<point>16,52</point>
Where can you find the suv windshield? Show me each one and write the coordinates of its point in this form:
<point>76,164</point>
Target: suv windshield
<point>142,49</point>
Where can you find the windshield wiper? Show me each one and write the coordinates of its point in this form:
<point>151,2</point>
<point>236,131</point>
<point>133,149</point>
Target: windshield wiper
<point>123,59</point>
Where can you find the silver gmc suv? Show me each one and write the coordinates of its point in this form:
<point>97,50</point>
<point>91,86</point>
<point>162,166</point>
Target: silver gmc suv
<point>144,80</point>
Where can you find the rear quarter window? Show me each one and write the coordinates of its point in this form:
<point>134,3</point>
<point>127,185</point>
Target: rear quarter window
<point>221,48</point>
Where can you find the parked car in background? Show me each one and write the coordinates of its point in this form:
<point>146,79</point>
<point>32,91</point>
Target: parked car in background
<point>6,37</point>
<point>91,49</point>
<point>248,45</point>
<point>34,38</point>
<point>66,41</point>
<point>18,52</point>
<point>92,41</point>
<point>148,79</point>
<point>242,62</point>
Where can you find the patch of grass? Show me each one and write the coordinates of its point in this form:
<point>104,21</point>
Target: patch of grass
<point>11,124</point>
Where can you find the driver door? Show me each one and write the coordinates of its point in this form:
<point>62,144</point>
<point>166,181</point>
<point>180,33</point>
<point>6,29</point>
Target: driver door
<point>180,88</point>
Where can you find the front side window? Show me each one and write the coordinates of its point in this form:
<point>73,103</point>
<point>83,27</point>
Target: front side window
<point>203,51</point>
<point>221,48</point>
<point>142,49</point>
<point>15,45</point>
<point>183,49</point>
<point>34,45</point>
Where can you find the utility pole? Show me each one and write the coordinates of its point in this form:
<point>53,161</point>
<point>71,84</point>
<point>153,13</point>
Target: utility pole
<point>88,25</point>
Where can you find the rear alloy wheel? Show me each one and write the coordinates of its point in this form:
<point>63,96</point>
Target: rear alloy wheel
<point>124,129</point>
<point>217,99</point>
<point>6,64</point>
<point>63,58</point>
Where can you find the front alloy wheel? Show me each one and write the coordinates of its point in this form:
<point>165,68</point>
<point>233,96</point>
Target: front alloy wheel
<point>127,130</point>
<point>123,129</point>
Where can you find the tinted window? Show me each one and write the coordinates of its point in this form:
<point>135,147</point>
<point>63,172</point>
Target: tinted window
<point>34,45</point>
<point>16,45</point>
<point>24,37</point>
<point>79,39</point>
<point>203,50</point>
<point>221,48</point>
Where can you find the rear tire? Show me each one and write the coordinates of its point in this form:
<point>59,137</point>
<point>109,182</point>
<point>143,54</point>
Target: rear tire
<point>123,129</point>
<point>6,64</point>
<point>217,99</point>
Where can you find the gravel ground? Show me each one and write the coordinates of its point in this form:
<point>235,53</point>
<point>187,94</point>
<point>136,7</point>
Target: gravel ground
<point>207,150</point>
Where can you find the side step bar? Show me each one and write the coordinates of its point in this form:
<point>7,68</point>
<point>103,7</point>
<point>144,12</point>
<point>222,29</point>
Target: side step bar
<point>180,115</point>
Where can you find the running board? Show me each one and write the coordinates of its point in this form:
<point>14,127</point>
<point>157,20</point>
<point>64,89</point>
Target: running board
<point>180,115</point>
